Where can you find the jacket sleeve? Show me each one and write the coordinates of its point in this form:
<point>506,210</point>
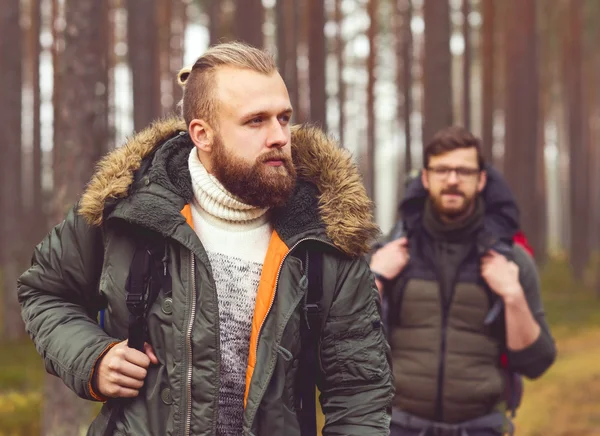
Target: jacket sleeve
<point>534,360</point>
<point>356,381</point>
<point>60,300</point>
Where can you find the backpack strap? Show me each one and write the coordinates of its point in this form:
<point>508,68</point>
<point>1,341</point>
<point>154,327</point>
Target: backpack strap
<point>137,289</point>
<point>393,292</point>
<point>148,273</point>
<point>316,309</point>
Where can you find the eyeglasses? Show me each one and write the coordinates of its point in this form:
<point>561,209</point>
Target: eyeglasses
<point>462,173</point>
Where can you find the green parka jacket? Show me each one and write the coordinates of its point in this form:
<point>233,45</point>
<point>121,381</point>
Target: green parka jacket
<point>82,265</point>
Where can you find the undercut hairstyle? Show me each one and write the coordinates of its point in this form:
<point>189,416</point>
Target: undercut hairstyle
<point>450,139</point>
<point>198,82</point>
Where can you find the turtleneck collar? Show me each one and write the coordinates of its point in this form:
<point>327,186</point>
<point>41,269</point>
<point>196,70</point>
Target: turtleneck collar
<point>216,204</point>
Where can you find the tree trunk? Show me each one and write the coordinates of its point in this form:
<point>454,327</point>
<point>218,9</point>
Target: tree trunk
<point>573,77</point>
<point>178,28</point>
<point>466,10</point>
<point>522,112</point>
<point>437,69</point>
<point>540,183</point>
<point>293,22</point>
<point>487,91</point>
<point>404,60</point>
<point>10,164</point>
<point>369,179</point>
<point>301,20</point>
<point>249,18</point>
<point>165,22</point>
<point>113,60</point>
<point>81,134</point>
<point>287,42</point>
<point>594,140</point>
<point>143,52</point>
<point>407,82</point>
<point>38,211</point>
<point>57,43</point>
<point>317,59</point>
<point>214,21</point>
<point>282,34</point>
<point>339,49</point>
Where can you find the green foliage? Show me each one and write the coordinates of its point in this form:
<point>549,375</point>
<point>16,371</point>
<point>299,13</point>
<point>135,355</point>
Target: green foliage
<point>22,367</point>
<point>18,413</point>
<point>21,389</point>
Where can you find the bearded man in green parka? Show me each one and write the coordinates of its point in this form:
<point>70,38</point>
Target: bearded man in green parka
<point>236,195</point>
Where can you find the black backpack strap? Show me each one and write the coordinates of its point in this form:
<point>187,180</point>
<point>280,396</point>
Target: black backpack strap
<point>137,289</point>
<point>315,314</point>
<point>148,273</point>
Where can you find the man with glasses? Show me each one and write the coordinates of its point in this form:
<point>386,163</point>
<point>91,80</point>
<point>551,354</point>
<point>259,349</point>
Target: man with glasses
<point>463,300</point>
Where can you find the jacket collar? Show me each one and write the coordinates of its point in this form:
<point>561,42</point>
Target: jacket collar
<point>147,182</point>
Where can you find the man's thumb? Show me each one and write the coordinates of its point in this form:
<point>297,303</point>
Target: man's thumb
<point>150,353</point>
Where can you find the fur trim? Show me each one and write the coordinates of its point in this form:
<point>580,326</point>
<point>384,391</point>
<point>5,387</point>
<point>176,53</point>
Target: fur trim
<point>114,173</point>
<point>344,205</point>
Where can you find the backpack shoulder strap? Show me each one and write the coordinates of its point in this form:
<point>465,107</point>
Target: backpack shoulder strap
<point>147,275</point>
<point>316,309</point>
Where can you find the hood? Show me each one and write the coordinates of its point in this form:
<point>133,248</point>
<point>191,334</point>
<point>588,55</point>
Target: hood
<point>343,205</point>
<point>501,219</point>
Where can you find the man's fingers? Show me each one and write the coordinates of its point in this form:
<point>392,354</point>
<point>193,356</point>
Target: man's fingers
<point>150,353</point>
<point>131,370</point>
<point>124,381</point>
<point>127,393</point>
<point>137,357</point>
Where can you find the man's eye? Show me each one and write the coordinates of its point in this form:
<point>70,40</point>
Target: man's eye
<point>466,171</point>
<point>285,118</point>
<point>256,120</point>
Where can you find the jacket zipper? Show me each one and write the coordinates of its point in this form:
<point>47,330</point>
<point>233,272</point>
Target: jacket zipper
<point>440,388</point>
<point>446,302</point>
<point>277,283</point>
<point>188,343</point>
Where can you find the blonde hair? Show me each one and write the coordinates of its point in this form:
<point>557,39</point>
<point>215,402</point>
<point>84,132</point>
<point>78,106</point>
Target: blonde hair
<point>198,82</point>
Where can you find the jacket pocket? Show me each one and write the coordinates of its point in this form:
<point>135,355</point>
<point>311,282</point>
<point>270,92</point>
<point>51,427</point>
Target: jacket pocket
<point>355,352</point>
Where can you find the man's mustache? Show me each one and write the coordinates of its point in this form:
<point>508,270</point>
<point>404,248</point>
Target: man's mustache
<point>274,155</point>
<point>453,191</point>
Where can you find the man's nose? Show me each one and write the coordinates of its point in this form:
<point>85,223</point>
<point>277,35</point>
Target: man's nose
<point>452,178</point>
<point>277,136</point>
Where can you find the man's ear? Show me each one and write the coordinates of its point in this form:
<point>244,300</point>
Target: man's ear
<point>424,179</point>
<point>482,181</point>
<point>202,135</point>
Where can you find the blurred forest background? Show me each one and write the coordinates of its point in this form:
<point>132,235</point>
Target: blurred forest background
<point>77,77</point>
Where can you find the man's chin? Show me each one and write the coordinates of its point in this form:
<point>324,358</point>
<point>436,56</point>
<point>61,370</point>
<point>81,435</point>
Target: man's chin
<point>279,170</point>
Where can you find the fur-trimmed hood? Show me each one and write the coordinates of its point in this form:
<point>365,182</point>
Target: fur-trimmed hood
<point>344,207</point>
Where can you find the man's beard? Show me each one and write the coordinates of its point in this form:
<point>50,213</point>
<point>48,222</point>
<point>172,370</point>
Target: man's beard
<point>257,184</point>
<point>453,213</point>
